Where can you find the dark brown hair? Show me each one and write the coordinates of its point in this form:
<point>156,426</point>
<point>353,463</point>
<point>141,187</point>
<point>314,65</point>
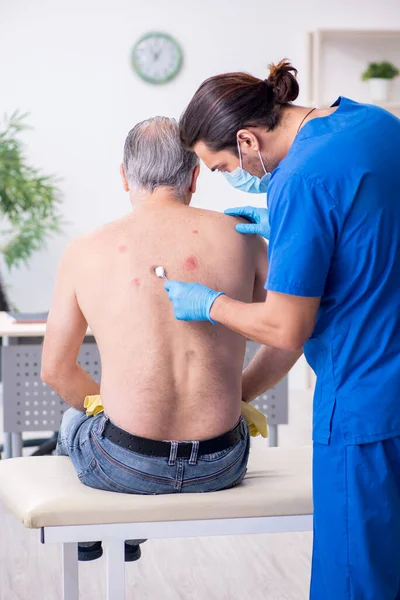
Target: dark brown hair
<point>226,103</point>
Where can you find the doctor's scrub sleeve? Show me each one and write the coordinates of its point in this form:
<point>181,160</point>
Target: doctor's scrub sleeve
<point>305,222</point>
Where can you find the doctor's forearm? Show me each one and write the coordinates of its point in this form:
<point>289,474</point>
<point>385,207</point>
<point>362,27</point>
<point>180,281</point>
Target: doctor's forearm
<point>266,369</point>
<point>253,322</point>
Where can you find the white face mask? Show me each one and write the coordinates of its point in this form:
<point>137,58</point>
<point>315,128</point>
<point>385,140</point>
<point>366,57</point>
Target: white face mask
<point>243,180</point>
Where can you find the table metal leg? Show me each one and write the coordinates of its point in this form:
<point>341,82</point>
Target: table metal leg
<point>70,576</point>
<point>7,452</point>
<point>115,569</point>
<point>273,435</point>
<point>16,444</point>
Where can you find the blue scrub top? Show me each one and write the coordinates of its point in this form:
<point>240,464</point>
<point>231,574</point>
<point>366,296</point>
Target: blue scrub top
<point>334,207</point>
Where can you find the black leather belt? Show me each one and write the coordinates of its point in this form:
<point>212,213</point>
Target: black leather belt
<point>163,449</point>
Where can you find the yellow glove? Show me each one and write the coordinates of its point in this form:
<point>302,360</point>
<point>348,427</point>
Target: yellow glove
<point>255,419</point>
<point>93,406</point>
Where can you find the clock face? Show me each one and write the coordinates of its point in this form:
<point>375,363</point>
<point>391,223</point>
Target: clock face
<point>157,57</point>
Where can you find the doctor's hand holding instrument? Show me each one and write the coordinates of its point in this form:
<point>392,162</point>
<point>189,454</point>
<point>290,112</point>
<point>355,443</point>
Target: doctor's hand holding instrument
<point>191,301</point>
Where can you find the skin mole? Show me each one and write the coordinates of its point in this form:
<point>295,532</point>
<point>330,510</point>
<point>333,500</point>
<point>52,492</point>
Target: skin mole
<point>189,354</point>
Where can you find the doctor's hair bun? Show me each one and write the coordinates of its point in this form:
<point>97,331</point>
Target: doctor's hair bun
<point>283,79</point>
<point>228,102</point>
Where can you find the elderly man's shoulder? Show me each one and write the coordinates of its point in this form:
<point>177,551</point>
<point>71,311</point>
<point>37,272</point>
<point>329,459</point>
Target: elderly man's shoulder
<point>226,225</point>
<point>219,219</point>
<point>88,243</point>
<point>101,233</point>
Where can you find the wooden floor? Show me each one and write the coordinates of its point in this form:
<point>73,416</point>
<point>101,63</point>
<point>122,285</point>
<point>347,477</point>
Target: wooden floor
<point>257,567</point>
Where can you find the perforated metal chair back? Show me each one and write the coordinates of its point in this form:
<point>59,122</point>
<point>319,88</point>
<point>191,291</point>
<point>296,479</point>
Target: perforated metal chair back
<point>30,404</point>
<point>274,403</point>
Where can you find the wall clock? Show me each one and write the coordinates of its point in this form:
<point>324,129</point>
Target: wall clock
<point>157,57</point>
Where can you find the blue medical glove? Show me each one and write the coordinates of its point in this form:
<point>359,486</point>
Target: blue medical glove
<point>258,217</point>
<point>191,301</point>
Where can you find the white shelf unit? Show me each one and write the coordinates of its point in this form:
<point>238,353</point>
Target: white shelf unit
<point>338,57</point>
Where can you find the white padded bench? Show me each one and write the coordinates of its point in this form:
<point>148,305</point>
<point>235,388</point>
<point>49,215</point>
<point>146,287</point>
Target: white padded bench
<point>44,493</point>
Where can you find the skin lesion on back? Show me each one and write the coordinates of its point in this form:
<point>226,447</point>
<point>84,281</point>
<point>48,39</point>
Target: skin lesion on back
<point>190,263</point>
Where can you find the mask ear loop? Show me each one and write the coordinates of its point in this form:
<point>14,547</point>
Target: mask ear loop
<point>262,162</point>
<point>241,159</point>
<point>240,154</point>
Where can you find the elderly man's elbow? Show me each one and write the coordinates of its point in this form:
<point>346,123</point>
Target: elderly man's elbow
<point>48,374</point>
<point>52,372</point>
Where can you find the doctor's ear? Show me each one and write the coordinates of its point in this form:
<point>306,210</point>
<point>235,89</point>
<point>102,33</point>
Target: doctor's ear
<point>247,140</point>
<point>125,184</point>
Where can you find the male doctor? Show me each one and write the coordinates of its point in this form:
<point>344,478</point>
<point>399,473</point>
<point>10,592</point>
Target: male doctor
<point>333,288</point>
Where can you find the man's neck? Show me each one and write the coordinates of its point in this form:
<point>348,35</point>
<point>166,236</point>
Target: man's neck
<point>162,195</point>
<point>293,120</point>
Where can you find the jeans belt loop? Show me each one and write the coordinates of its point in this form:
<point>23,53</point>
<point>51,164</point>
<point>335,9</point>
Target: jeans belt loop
<point>173,453</point>
<point>194,453</point>
<point>102,425</point>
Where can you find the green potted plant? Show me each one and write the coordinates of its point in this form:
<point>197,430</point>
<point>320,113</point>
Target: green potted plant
<point>380,76</point>
<point>29,201</point>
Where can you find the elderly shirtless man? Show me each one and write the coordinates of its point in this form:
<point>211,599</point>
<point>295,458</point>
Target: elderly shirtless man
<point>171,391</point>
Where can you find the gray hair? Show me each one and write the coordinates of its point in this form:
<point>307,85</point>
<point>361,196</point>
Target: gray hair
<point>154,156</point>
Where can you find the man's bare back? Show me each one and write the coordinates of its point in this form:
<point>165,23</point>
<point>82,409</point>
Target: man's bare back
<point>164,379</point>
<point>161,379</point>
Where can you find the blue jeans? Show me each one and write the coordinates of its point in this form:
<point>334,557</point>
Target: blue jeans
<point>102,464</point>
